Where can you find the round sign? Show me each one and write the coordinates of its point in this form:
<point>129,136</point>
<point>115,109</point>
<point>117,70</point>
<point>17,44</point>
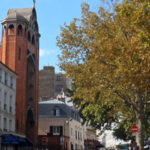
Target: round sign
<point>134,129</point>
<point>45,139</point>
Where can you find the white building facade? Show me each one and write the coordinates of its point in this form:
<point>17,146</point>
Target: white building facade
<point>7,99</point>
<point>76,135</point>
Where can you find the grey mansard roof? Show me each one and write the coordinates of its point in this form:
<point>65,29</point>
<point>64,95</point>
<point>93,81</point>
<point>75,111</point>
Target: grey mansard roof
<point>20,14</point>
<point>46,108</point>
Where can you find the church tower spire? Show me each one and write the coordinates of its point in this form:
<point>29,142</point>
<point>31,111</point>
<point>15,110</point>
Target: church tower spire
<point>34,1</point>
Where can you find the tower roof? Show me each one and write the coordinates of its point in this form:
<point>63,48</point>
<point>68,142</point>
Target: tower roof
<point>20,14</point>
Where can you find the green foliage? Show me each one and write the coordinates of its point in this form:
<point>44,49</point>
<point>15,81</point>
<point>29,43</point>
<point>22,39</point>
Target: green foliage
<point>108,56</point>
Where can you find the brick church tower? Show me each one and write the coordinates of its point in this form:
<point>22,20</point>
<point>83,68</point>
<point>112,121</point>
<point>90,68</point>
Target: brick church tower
<point>20,52</point>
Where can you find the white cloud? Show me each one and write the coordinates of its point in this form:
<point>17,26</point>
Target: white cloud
<point>47,52</point>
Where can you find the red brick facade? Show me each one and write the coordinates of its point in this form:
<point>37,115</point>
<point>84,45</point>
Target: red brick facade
<point>20,52</point>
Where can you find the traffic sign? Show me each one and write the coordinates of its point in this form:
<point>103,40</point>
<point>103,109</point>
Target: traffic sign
<point>134,129</point>
<point>45,139</point>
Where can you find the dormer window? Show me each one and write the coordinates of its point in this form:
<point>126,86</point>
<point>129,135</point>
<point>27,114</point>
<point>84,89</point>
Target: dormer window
<point>11,29</point>
<point>19,30</point>
<point>57,111</point>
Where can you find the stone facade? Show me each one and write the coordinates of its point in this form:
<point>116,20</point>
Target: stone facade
<point>7,99</point>
<point>59,121</point>
<point>51,84</point>
<point>20,52</point>
<point>46,82</point>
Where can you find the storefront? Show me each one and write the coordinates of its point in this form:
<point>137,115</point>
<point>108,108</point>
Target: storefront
<point>13,142</point>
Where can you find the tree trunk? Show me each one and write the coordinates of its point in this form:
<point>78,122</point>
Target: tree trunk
<point>140,121</point>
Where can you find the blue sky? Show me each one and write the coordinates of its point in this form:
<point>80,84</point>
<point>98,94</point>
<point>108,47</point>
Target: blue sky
<point>51,15</point>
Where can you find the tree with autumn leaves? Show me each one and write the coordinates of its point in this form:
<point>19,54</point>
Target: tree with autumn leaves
<point>107,54</point>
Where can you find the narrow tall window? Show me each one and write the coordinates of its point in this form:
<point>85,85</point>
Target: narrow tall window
<point>4,31</point>
<point>5,124</point>
<point>5,99</point>
<point>33,40</point>
<point>57,111</point>
<point>17,124</point>
<point>29,36</point>
<point>19,30</point>
<point>6,78</point>
<point>10,125</point>
<point>11,29</point>
<point>10,104</point>
<point>11,82</point>
<point>19,54</point>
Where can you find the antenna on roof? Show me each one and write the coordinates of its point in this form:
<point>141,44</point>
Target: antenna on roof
<point>34,1</point>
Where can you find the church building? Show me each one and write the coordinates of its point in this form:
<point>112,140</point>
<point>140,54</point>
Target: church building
<point>19,51</point>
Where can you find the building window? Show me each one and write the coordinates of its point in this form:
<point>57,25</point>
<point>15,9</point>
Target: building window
<point>5,98</point>
<point>59,88</point>
<point>71,132</point>
<point>19,30</point>
<point>33,40</point>
<point>19,54</point>
<point>76,135</point>
<point>6,78</point>
<point>10,125</point>
<point>10,107</point>
<point>58,77</point>
<point>11,82</point>
<point>56,130</point>
<point>17,124</point>
<point>30,99</point>
<point>5,124</point>
<point>31,86</point>
<point>4,31</point>
<point>57,111</point>
<point>29,36</point>
<point>11,29</point>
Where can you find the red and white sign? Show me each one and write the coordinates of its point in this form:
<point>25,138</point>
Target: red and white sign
<point>45,139</point>
<point>134,129</point>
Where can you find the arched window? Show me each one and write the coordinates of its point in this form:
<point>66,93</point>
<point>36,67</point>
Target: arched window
<point>29,36</point>
<point>11,29</point>
<point>4,31</point>
<point>19,30</point>
<point>33,40</point>
<point>19,54</point>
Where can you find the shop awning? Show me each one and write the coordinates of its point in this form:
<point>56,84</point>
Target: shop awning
<point>8,139</point>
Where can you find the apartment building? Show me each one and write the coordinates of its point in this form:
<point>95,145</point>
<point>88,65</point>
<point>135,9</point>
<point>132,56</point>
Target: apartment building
<point>7,99</point>
<point>61,125</point>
